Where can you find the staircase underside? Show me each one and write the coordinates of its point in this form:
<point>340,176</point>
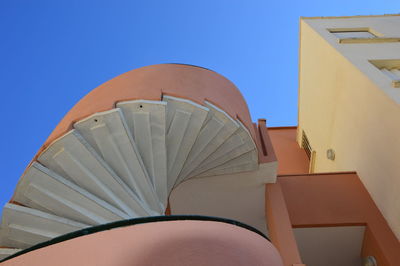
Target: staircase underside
<point>121,164</point>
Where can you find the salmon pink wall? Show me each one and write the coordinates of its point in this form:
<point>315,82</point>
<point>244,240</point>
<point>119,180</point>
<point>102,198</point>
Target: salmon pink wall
<point>172,243</point>
<point>338,199</point>
<point>291,158</point>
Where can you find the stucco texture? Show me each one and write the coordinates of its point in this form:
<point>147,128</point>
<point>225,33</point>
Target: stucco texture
<point>174,243</point>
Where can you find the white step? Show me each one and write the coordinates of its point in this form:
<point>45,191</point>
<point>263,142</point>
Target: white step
<point>244,163</point>
<point>219,126</point>
<point>72,157</point>
<point>238,144</point>
<point>109,135</point>
<point>6,252</point>
<point>146,121</point>
<point>184,121</point>
<point>44,190</point>
<point>23,227</point>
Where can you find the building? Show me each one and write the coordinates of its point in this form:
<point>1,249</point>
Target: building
<point>163,165</point>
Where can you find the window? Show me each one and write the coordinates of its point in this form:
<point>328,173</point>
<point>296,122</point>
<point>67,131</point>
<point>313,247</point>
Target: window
<point>360,35</point>
<point>390,68</point>
<point>394,74</point>
<point>353,34</point>
<point>305,144</point>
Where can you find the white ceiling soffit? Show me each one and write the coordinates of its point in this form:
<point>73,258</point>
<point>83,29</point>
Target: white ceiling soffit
<point>123,163</point>
<point>330,246</point>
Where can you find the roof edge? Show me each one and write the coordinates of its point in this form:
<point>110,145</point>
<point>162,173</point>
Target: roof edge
<point>354,16</point>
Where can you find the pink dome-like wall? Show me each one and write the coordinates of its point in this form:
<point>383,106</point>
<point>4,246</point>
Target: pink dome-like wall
<point>168,243</point>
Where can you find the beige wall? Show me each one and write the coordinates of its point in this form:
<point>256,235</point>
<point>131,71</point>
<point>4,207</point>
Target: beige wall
<point>347,104</point>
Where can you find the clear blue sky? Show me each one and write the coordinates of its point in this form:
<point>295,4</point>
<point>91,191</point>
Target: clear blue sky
<point>54,52</point>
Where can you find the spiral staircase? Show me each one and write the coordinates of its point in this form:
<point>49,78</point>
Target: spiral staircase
<point>123,163</point>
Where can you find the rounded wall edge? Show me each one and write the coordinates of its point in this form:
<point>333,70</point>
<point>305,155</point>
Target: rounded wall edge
<point>163,243</point>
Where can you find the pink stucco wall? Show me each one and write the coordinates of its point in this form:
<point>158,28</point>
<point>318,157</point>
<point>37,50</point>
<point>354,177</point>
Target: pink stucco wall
<point>172,243</point>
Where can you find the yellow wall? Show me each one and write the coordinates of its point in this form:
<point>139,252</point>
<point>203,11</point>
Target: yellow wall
<point>347,104</point>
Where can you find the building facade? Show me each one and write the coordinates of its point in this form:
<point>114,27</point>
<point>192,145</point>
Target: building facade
<point>163,165</point>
